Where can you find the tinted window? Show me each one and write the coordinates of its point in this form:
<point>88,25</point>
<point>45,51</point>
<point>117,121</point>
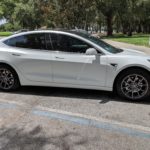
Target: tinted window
<point>99,42</point>
<point>68,44</point>
<point>78,46</point>
<point>33,41</point>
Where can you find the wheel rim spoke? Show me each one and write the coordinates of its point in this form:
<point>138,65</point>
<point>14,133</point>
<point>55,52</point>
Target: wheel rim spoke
<point>134,86</point>
<point>6,79</point>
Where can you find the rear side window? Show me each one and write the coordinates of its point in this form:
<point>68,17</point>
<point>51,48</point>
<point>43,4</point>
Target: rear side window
<point>16,41</point>
<point>32,41</point>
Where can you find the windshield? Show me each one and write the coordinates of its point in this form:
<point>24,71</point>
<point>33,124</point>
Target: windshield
<point>100,43</point>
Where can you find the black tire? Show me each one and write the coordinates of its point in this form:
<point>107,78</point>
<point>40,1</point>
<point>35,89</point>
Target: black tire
<point>13,82</point>
<point>138,91</point>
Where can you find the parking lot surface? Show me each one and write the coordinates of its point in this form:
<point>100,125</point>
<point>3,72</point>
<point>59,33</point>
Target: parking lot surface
<point>60,118</point>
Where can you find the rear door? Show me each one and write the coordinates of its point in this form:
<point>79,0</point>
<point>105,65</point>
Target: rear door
<point>31,56</point>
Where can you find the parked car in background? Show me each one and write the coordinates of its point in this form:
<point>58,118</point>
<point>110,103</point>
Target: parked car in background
<point>72,59</point>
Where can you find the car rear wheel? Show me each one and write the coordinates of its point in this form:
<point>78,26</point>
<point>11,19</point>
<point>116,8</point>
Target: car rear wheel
<point>8,78</point>
<point>134,84</point>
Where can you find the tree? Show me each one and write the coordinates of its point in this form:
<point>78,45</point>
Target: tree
<point>144,16</point>
<point>7,8</point>
<point>119,14</point>
<point>74,13</point>
<point>1,11</point>
<point>129,15</point>
<point>108,9</point>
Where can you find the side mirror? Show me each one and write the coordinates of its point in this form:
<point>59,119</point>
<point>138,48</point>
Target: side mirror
<point>91,51</point>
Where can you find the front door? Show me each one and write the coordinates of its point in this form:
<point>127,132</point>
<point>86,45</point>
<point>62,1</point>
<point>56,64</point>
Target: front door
<point>71,65</point>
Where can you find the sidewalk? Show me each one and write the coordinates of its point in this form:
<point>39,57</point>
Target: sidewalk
<point>130,46</point>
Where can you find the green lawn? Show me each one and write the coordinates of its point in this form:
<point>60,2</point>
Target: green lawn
<point>5,33</point>
<point>137,39</point>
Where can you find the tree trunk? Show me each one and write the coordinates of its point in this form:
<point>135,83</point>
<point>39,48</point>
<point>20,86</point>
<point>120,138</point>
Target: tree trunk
<point>86,23</point>
<point>109,26</point>
<point>100,28</point>
<point>149,29</point>
<point>130,31</point>
<point>124,28</point>
<point>124,31</point>
<point>139,28</point>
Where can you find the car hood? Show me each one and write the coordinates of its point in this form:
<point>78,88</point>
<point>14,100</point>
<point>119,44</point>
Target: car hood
<point>132,52</point>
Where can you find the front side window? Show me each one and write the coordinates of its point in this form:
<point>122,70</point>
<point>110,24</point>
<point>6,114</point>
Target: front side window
<point>32,41</point>
<point>66,43</point>
<point>99,42</point>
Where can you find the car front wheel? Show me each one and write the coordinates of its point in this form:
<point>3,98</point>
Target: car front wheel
<point>134,84</point>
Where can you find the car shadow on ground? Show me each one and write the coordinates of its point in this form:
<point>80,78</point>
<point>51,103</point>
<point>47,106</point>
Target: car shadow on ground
<point>102,96</point>
<point>36,139</point>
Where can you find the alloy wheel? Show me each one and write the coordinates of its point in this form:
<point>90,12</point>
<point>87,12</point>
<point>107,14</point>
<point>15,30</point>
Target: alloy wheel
<point>134,86</point>
<point>6,79</point>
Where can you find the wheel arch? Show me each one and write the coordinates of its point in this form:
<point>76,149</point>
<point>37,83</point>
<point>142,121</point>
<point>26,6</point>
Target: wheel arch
<point>126,69</point>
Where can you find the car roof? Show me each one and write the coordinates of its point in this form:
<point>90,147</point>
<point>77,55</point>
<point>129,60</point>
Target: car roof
<point>70,32</point>
<point>76,32</point>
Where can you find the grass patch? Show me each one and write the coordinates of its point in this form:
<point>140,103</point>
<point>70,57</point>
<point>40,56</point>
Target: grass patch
<point>5,33</point>
<point>137,39</point>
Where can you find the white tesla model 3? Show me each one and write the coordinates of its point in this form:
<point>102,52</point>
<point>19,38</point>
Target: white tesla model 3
<point>72,59</point>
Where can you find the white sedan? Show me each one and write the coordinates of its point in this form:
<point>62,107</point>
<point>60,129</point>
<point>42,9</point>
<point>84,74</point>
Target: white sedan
<point>72,59</point>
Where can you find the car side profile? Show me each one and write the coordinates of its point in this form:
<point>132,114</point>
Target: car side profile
<point>75,60</point>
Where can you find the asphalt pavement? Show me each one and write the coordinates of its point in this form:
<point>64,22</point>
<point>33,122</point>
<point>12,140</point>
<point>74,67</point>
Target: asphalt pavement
<point>42,118</point>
